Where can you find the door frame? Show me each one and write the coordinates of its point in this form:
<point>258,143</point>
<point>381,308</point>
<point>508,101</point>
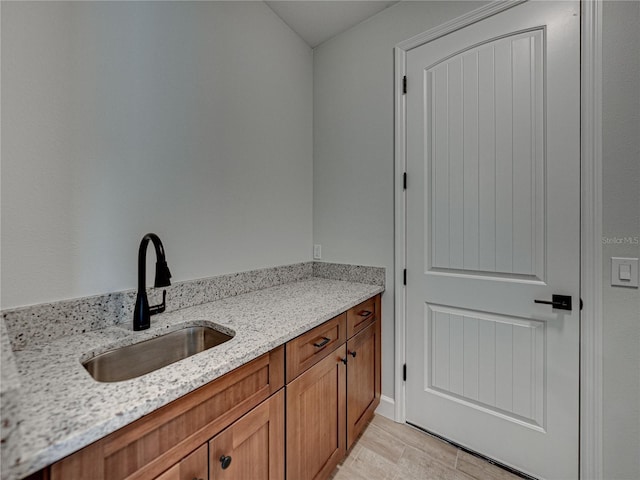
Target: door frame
<point>591,392</point>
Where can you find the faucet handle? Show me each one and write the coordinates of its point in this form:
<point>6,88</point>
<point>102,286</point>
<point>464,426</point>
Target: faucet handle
<point>161,306</point>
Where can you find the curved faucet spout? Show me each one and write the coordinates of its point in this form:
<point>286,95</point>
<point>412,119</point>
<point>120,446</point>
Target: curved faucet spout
<point>142,311</point>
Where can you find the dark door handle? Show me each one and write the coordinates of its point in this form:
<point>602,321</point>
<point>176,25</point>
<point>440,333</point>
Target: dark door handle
<point>353,354</point>
<point>561,302</point>
<point>365,313</point>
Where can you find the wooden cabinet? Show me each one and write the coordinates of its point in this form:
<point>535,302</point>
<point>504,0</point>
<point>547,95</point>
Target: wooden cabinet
<point>363,377</point>
<point>362,315</point>
<point>234,427</point>
<point>330,404</point>
<point>155,443</point>
<point>311,347</point>
<point>194,466</point>
<point>253,447</point>
<point>316,418</point>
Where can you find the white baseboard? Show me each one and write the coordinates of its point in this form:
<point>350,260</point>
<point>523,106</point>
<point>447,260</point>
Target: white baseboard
<point>387,407</point>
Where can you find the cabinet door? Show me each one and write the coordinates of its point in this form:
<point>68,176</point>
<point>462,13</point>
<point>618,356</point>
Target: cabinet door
<point>363,379</point>
<point>253,447</point>
<point>192,467</point>
<point>316,414</point>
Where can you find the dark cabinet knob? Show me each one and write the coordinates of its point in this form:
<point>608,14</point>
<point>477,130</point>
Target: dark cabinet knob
<point>225,461</point>
<point>344,360</point>
<point>353,354</point>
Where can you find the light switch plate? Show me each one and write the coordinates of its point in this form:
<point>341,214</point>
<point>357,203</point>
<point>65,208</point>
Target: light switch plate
<point>624,272</point>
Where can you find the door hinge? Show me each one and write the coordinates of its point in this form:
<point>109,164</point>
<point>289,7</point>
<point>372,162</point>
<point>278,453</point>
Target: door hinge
<point>581,304</point>
<point>404,84</point>
<point>404,277</point>
<point>404,372</point>
<point>404,180</point>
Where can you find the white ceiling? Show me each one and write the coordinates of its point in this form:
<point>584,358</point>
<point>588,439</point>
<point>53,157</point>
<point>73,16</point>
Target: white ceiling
<point>317,21</point>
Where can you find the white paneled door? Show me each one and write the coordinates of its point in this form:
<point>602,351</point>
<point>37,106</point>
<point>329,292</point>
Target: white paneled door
<point>493,224</point>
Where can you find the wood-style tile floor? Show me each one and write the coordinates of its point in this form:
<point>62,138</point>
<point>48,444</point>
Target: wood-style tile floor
<point>392,451</point>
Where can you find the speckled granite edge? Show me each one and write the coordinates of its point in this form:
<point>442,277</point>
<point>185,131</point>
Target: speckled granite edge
<point>350,273</point>
<point>9,402</point>
<point>9,377</point>
<point>38,324</point>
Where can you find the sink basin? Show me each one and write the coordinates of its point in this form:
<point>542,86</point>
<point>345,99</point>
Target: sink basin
<point>134,360</point>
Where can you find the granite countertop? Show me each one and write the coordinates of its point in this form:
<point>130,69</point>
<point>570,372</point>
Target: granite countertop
<point>62,408</point>
<point>9,401</point>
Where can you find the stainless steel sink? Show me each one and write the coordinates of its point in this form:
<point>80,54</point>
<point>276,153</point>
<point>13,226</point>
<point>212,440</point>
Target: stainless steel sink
<point>134,360</point>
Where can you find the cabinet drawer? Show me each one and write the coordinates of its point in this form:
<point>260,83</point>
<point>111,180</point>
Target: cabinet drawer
<point>360,316</point>
<point>311,347</point>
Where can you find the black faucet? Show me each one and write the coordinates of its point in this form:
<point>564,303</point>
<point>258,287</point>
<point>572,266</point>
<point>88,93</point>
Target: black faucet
<point>142,312</point>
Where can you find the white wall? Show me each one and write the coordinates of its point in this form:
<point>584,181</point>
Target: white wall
<point>621,220</point>
<point>353,168</point>
<point>189,119</point>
